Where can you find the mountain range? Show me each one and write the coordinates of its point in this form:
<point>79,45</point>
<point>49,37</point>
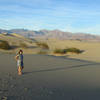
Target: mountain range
<point>52,34</point>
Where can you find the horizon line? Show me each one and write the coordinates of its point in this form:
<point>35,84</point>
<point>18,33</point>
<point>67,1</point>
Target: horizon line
<point>47,30</point>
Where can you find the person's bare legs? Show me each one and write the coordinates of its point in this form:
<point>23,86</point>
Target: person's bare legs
<point>19,70</point>
<point>22,67</point>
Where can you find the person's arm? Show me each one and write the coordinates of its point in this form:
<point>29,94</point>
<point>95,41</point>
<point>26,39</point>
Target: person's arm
<point>16,57</point>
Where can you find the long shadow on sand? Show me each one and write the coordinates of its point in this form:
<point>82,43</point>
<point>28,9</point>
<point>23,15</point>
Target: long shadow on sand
<point>73,59</point>
<point>61,68</point>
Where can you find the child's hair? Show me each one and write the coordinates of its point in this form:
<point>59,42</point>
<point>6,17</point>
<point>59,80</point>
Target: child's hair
<point>20,51</point>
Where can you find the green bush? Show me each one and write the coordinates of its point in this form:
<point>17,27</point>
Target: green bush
<point>60,51</point>
<point>74,50</point>
<point>64,51</point>
<point>42,45</point>
<point>4,45</point>
<point>23,45</point>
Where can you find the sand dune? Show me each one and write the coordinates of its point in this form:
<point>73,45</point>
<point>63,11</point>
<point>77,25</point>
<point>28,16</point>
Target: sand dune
<point>49,78</point>
<point>15,42</point>
<point>15,38</point>
<point>91,49</point>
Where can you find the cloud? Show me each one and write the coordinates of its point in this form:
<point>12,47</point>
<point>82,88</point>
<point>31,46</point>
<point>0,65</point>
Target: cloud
<point>70,15</point>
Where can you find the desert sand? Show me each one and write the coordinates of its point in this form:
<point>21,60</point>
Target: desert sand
<point>49,78</point>
<point>91,48</point>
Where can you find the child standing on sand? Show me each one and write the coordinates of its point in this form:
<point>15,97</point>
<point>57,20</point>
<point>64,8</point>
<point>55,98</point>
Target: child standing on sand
<point>19,58</point>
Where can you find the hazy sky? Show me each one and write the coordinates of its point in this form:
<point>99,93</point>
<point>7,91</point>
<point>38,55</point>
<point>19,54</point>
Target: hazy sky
<point>67,15</point>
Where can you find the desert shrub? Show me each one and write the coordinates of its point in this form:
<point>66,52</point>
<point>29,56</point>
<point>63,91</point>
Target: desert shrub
<point>23,45</point>
<point>79,40</point>
<point>64,51</point>
<point>60,51</point>
<point>4,45</point>
<point>31,42</point>
<point>42,45</point>
<point>42,52</point>
<point>74,50</point>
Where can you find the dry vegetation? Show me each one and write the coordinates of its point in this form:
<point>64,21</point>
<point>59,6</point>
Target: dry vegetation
<point>60,51</point>
<point>4,45</point>
<point>42,45</point>
<point>23,45</point>
<point>68,50</point>
<point>74,50</point>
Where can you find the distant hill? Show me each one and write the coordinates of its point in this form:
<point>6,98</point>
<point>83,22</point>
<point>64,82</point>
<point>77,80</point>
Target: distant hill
<point>16,39</point>
<point>4,31</point>
<point>52,34</point>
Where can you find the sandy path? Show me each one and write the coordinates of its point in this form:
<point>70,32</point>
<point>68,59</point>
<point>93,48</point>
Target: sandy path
<point>49,78</point>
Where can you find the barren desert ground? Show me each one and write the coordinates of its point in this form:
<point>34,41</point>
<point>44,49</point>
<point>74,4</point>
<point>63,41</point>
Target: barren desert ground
<point>49,78</point>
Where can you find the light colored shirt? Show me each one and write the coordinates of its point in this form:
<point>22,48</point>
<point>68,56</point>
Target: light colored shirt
<point>20,57</point>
